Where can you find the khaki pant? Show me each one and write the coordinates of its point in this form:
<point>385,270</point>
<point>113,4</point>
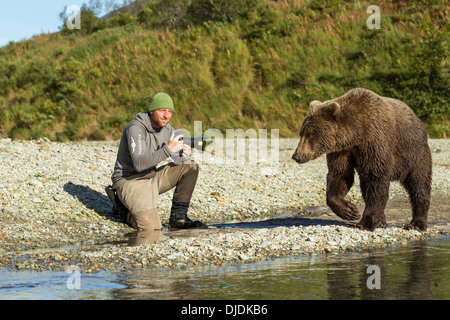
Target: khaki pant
<point>140,196</point>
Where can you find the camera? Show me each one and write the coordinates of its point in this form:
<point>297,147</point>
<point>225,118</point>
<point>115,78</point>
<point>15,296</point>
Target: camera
<point>197,143</point>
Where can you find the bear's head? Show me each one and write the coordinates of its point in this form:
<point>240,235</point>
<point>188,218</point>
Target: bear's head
<point>318,133</point>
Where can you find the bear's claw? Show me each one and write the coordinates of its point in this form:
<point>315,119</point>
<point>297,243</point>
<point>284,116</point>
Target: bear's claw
<point>349,212</point>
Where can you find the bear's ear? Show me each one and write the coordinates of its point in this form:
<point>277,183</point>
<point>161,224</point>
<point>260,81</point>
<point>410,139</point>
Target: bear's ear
<point>333,109</point>
<point>314,106</point>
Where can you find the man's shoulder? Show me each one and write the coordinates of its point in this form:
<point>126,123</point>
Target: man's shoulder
<point>135,124</point>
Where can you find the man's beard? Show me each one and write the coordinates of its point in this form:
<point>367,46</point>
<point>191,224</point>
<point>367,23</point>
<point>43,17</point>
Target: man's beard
<point>158,121</point>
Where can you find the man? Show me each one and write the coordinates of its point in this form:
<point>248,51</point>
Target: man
<point>146,141</point>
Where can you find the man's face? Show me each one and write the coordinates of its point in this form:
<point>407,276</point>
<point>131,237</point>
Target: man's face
<point>160,118</point>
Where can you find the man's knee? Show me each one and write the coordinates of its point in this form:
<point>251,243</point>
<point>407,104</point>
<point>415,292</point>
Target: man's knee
<point>194,167</point>
<point>189,169</point>
<point>145,220</point>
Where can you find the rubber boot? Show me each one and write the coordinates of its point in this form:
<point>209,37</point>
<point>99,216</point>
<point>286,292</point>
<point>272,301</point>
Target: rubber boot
<point>119,210</point>
<point>179,219</point>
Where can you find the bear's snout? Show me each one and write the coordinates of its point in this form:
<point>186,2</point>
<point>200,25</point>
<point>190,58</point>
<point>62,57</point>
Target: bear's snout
<point>296,157</point>
<point>299,159</point>
<point>303,153</point>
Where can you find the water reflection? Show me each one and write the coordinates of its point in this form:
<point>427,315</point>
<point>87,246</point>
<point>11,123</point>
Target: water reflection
<point>137,238</point>
<point>157,286</point>
<point>418,271</point>
<point>405,273</point>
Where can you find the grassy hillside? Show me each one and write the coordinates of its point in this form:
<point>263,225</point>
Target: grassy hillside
<point>226,66</point>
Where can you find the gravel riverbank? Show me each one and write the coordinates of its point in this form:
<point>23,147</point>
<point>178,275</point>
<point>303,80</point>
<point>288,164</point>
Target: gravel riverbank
<point>54,211</point>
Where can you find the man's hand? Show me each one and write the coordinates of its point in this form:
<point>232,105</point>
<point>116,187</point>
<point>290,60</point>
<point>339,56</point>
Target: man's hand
<point>175,144</point>
<point>186,151</point>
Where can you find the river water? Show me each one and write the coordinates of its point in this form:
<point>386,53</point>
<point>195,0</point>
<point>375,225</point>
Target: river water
<point>420,270</point>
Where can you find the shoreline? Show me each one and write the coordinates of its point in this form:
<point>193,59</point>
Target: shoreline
<point>55,213</point>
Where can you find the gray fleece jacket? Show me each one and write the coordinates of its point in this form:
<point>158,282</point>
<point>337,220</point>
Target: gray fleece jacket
<point>141,148</point>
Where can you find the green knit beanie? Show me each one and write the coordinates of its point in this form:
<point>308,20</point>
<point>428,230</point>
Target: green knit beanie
<point>161,101</point>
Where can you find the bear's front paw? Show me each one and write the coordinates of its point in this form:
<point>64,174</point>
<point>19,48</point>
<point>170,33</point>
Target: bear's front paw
<point>349,212</point>
<point>370,222</point>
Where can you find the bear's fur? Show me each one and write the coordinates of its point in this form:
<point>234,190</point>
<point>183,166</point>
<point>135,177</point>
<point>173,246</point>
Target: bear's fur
<point>383,140</point>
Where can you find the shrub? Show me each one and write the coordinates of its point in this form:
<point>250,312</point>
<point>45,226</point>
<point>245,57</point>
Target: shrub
<point>200,11</point>
<point>90,23</point>
<point>121,19</point>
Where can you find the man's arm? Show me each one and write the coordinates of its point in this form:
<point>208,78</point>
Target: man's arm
<point>143,158</point>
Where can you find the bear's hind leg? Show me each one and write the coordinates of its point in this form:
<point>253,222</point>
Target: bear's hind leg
<point>418,187</point>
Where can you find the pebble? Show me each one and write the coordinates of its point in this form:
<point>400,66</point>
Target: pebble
<point>54,211</point>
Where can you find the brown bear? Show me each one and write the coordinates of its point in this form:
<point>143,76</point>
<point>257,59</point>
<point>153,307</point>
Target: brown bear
<point>383,140</point>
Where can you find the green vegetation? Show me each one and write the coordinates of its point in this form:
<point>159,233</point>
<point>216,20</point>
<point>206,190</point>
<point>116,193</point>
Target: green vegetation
<point>229,63</point>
